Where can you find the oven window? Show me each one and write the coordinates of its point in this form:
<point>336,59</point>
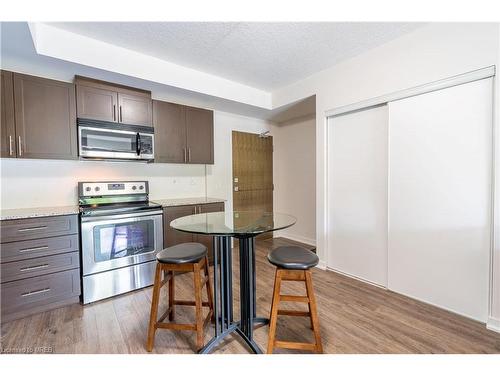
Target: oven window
<point>108,141</point>
<point>112,241</point>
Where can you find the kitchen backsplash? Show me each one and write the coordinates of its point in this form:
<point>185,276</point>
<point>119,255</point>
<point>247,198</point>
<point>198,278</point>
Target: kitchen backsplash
<point>39,183</point>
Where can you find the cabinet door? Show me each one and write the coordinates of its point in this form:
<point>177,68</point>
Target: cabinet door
<point>208,240</point>
<point>96,103</point>
<point>7,125</point>
<point>170,132</point>
<point>172,236</point>
<point>200,135</point>
<point>45,118</point>
<point>135,109</point>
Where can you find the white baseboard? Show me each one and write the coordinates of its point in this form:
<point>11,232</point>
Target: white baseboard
<point>297,237</point>
<point>322,265</point>
<point>493,324</point>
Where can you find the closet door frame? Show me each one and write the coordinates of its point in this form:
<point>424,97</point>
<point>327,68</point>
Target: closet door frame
<point>471,76</point>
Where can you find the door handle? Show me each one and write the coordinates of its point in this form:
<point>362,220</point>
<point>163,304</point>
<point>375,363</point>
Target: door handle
<point>189,154</point>
<point>114,112</point>
<point>33,249</point>
<point>20,146</point>
<point>138,146</point>
<point>31,229</point>
<point>33,267</point>
<point>44,290</point>
<point>185,155</point>
<point>121,114</point>
<point>11,152</point>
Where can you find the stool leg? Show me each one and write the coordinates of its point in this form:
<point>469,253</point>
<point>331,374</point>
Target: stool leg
<point>198,305</point>
<point>313,311</point>
<point>171,296</point>
<point>154,309</point>
<point>209,288</point>
<point>274,312</point>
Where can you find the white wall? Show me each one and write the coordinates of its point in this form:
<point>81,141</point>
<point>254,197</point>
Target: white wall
<point>219,175</point>
<point>40,183</point>
<point>430,53</point>
<point>295,176</point>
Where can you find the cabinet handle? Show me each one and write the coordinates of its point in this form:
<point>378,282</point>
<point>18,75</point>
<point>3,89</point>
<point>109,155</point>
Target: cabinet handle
<point>20,146</point>
<point>189,154</point>
<point>185,155</point>
<point>11,152</point>
<point>121,115</point>
<point>33,249</point>
<point>114,112</point>
<point>31,229</point>
<point>34,267</point>
<point>44,290</point>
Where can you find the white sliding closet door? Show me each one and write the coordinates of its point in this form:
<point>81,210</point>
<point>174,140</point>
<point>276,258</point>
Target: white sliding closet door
<point>440,197</point>
<point>357,194</point>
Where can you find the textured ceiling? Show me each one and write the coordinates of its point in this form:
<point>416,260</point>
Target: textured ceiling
<point>263,55</point>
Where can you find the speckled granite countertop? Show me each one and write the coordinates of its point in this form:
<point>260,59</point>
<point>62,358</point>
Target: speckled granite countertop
<point>186,201</point>
<point>26,213</point>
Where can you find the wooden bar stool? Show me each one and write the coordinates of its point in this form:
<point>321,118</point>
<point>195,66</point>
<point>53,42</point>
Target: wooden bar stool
<point>191,257</point>
<point>294,264</point>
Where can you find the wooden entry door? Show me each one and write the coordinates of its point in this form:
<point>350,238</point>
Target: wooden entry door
<point>252,173</point>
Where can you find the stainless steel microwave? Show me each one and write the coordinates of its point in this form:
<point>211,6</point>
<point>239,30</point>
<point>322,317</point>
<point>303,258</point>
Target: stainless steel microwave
<point>100,140</point>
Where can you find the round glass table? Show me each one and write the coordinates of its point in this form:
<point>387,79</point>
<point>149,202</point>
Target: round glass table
<point>245,226</point>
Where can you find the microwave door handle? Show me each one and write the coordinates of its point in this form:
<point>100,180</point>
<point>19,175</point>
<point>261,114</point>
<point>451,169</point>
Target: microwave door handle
<point>138,144</point>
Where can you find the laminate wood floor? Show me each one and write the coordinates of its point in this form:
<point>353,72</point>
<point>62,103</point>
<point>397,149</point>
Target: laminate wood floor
<point>355,318</point>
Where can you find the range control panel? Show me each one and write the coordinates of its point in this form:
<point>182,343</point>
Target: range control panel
<point>92,189</point>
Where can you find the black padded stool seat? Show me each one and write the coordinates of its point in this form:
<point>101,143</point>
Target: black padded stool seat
<point>293,258</point>
<point>190,252</point>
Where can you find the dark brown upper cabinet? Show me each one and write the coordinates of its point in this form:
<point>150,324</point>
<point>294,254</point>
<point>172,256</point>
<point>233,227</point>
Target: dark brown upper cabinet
<point>7,124</point>
<point>98,100</point>
<point>45,118</point>
<point>95,103</point>
<point>170,132</point>
<point>200,135</point>
<point>183,134</point>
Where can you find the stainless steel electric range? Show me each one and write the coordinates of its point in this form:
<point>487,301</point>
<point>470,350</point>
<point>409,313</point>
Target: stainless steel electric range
<point>121,232</point>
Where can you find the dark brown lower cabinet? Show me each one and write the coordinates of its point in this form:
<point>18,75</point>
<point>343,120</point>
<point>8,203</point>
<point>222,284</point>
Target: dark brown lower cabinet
<point>40,265</point>
<point>173,237</point>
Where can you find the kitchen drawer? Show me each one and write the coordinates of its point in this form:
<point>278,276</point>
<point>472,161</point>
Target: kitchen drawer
<point>21,250</point>
<point>40,227</point>
<point>21,297</point>
<point>39,266</point>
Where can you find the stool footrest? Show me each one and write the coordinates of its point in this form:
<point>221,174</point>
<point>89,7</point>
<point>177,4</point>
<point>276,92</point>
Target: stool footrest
<point>177,326</point>
<point>295,345</point>
<point>294,313</point>
<point>189,303</point>
<point>289,298</point>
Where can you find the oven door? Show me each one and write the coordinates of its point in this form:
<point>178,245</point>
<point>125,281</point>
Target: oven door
<point>111,242</point>
<point>105,143</point>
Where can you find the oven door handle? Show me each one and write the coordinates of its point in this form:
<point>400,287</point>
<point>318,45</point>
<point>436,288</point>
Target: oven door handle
<point>112,217</point>
<point>138,143</point>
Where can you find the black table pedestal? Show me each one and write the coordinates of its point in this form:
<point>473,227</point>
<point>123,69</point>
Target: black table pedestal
<point>223,293</point>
